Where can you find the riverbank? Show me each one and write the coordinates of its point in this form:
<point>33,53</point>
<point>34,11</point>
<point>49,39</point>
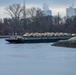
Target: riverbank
<point>66,43</point>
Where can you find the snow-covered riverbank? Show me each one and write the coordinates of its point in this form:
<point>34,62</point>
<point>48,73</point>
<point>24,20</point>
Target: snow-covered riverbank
<point>66,43</point>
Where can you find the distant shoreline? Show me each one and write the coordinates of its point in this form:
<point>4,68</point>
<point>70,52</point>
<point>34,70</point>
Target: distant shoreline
<point>4,36</point>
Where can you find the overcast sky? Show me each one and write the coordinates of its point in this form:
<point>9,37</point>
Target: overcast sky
<point>54,5</point>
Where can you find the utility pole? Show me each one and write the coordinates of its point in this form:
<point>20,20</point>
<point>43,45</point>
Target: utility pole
<point>58,18</point>
<point>24,10</point>
<point>24,16</point>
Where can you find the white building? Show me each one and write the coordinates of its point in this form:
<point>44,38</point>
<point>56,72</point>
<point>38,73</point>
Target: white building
<point>70,12</point>
<point>46,10</point>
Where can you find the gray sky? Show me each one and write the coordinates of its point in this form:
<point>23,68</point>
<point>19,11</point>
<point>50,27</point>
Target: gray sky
<point>55,5</point>
<point>50,2</point>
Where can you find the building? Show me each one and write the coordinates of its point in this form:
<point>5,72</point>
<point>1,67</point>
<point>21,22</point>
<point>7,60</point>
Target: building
<point>70,12</point>
<point>46,10</point>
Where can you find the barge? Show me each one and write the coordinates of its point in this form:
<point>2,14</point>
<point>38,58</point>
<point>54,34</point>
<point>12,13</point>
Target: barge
<point>37,39</point>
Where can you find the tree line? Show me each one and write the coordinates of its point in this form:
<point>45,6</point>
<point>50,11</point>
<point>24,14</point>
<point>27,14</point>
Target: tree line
<point>24,20</point>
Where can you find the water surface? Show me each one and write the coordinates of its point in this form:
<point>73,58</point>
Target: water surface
<point>36,59</point>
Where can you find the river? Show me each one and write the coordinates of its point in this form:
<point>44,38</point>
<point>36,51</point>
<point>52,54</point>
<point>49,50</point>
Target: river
<point>36,59</point>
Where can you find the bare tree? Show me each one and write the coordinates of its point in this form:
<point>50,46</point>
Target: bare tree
<point>34,13</point>
<point>15,12</point>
